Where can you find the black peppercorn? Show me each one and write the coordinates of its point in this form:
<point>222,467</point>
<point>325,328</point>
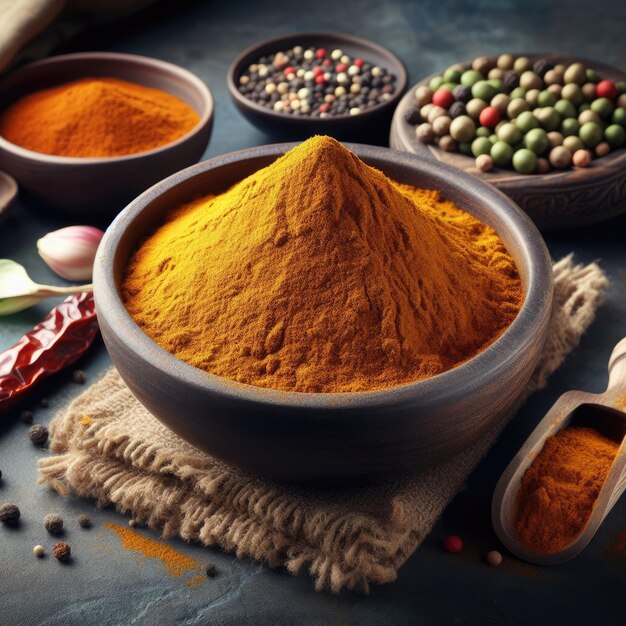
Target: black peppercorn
<point>211,570</point>
<point>38,434</point>
<point>26,417</point>
<point>62,551</point>
<point>9,513</point>
<point>541,66</point>
<point>462,93</point>
<point>413,116</point>
<point>457,109</point>
<point>53,523</point>
<point>79,377</point>
<point>510,79</point>
<point>84,521</point>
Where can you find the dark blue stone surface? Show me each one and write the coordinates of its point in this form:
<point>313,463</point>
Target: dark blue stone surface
<point>107,585</point>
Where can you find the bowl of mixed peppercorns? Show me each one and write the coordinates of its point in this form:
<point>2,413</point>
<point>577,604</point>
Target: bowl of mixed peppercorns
<point>547,130</point>
<point>302,84</point>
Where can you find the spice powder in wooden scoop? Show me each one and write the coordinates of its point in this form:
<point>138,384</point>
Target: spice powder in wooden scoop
<point>320,274</point>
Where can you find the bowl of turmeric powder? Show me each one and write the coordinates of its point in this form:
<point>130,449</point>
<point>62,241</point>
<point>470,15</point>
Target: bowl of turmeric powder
<point>87,132</point>
<point>319,312</point>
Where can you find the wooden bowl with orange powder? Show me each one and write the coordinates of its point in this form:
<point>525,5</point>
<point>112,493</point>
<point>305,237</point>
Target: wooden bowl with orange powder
<point>100,176</point>
<point>319,437</point>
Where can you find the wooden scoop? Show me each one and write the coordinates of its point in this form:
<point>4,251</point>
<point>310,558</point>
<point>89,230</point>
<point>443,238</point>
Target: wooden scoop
<point>604,412</point>
<point>8,193</point>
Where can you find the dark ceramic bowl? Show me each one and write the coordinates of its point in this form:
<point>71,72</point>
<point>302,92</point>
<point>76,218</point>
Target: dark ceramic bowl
<point>559,199</point>
<point>87,187</point>
<point>321,437</point>
<point>285,126</point>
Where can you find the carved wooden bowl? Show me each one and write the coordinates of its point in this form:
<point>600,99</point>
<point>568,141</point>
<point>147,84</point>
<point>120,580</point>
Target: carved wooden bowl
<point>327,437</point>
<point>559,199</point>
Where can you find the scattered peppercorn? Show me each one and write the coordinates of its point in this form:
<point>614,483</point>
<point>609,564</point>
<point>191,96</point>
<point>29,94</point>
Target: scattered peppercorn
<point>541,106</point>
<point>484,163</point>
<point>53,523</point>
<point>453,543</point>
<point>38,434</point>
<point>39,551</point>
<point>211,570</point>
<point>62,551</point>
<point>494,558</point>
<point>132,522</point>
<point>84,521</point>
<point>9,514</point>
<point>78,376</point>
<point>26,417</point>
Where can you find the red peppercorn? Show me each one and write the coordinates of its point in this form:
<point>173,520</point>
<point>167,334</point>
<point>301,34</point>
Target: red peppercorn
<point>289,70</point>
<point>327,62</point>
<point>489,117</point>
<point>452,543</point>
<point>317,71</point>
<point>319,79</point>
<point>341,67</point>
<point>358,62</point>
<point>325,107</point>
<point>320,53</point>
<point>606,89</point>
<point>443,98</point>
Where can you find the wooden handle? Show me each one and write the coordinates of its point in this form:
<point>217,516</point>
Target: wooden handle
<point>617,367</point>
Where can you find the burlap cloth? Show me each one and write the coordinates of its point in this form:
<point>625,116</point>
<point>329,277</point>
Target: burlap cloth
<point>111,449</point>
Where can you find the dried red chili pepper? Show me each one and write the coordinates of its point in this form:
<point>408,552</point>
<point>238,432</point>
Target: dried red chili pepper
<point>56,342</point>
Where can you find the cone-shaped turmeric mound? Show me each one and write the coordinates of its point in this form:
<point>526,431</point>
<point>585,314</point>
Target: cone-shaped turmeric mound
<point>318,273</point>
<point>97,117</point>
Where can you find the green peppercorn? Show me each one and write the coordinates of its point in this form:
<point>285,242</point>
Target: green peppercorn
<point>603,107</point>
<point>591,134</point>
<point>575,73</point>
<point>501,153</point>
<point>621,86</point>
<point>536,140</point>
<point>483,131</point>
<point>465,148</point>
<point>483,90</point>
<point>452,75</point>
<point>518,92</point>
<point>548,118</point>
<point>435,82</point>
<point>474,107</point>
<point>555,139</point>
<point>522,64</point>
<point>526,121</point>
<point>592,76</point>
<point>530,80</point>
<point>493,138</point>
<point>497,84</point>
<point>588,116</point>
<point>532,97</point>
<point>546,98</point>
<point>619,117</point>
<point>570,126</point>
<point>573,93</point>
<point>615,135</point>
<point>565,108</point>
<point>449,86</point>
<point>573,144</point>
<point>516,106</point>
<point>481,145</point>
<point>470,77</point>
<point>525,161</point>
<point>509,133</point>
<point>585,106</point>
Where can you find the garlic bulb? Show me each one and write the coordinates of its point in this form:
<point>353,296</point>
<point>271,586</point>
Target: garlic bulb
<point>70,251</point>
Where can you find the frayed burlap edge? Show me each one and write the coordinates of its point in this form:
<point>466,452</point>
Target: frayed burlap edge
<point>347,538</point>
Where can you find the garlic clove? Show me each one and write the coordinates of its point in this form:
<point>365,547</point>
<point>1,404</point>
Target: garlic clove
<point>70,251</point>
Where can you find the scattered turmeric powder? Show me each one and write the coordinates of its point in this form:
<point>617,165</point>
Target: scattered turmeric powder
<point>176,562</point>
<point>97,117</point>
<point>561,486</point>
<point>320,274</point>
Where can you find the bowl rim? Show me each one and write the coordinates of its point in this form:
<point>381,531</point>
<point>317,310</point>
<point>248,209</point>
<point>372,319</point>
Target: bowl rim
<point>234,71</point>
<point>501,175</point>
<point>454,383</point>
<point>114,57</point>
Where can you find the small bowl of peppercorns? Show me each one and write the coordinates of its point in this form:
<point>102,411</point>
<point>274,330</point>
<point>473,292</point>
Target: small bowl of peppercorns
<point>547,130</point>
<point>303,84</point>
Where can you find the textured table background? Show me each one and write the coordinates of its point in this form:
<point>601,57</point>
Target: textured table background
<point>106,585</point>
